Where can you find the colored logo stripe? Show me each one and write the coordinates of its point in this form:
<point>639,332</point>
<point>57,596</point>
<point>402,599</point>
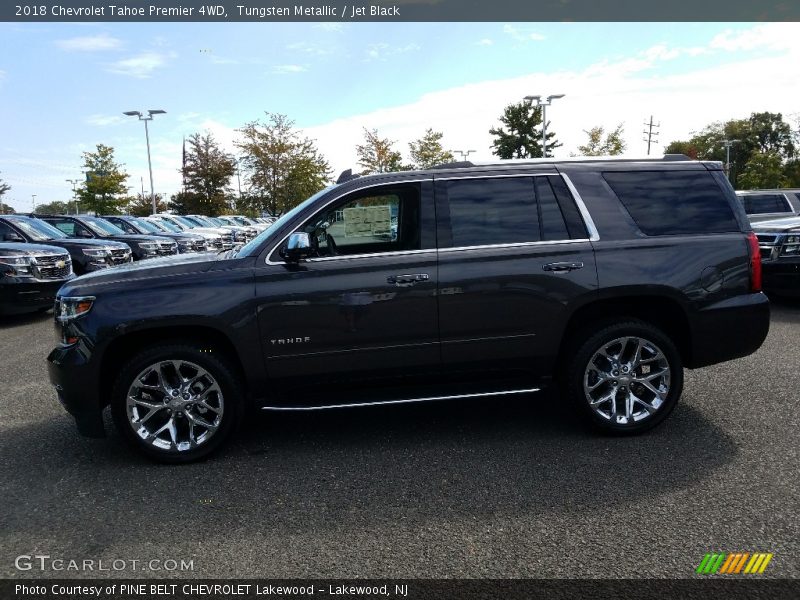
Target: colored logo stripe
<point>733,563</point>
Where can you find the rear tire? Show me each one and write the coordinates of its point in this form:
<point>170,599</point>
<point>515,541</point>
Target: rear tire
<point>177,403</point>
<point>626,378</point>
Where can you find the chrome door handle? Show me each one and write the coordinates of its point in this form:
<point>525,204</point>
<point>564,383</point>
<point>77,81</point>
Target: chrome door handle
<point>407,279</point>
<point>561,267</point>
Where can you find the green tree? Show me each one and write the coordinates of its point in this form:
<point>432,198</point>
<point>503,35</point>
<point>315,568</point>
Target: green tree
<point>763,170</point>
<point>377,155</point>
<point>142,205</point>
<point>5,209</point>
<point>612,145</point>
<point>791,170</point>
<point>427,151</point>
<point>55,208</point>
<point>281,167</point>
<point>762,133</point>
<point>187,203</point>
<point>104,190</point>
<point>207,172</point>
<point>522,137</point>
<point>4,189</point>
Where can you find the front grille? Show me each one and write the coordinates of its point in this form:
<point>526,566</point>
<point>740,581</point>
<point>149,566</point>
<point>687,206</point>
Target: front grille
<point>227,241</point>
<point>120,256</point>
<point>766,238</point>
<point>766,252</point>
<point>54,266</point>
<point>198,245</point>
<point>167,248</point>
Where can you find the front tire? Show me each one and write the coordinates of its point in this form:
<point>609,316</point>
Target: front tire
<point>626,378</point>
<point>176,403</point>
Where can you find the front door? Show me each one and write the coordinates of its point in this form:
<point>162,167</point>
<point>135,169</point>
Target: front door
<point>364,305</point>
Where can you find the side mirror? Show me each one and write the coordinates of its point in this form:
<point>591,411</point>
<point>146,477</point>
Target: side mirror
<point>13,236</point>
<point>298,247</point>
<point>83,234</point>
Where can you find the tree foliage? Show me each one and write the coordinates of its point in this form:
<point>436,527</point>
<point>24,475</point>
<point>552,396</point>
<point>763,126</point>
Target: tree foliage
<point>522,135</point>
<point>5,209</point>
<point>141,205</point>
<point>104,190</point>
<point>55,208</point>
<point>4,189</point>
<point>207,172</point>
<point>377,155</point>
<point>427,151</point>
<point>759,140</point>
<point>596,145</point>
<point>763,170</point>
<point>282,168</point>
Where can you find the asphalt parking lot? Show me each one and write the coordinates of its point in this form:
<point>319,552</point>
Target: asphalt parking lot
<point>500,488</point>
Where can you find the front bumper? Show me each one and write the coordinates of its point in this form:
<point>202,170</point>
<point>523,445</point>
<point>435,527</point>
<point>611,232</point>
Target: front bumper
<point>729,329</point>
<point>71,372</point>
<point>21,295</point>
<point>782,276</point>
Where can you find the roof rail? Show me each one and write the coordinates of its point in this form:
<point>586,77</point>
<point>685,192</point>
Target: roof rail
<point>462,164</point>
<point>676,157</point>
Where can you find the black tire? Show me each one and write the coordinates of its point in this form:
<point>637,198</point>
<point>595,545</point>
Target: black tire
<point>217,366</point>
<point>584,348</point>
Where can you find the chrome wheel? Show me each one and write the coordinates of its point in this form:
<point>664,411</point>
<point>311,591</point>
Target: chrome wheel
<point>174,405</point>
<point>627,380</point>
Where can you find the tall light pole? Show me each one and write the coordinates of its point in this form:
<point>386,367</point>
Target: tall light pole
<point>464,153</point>
<point>544,104</point>
<point>727,145</point>
<point>74,183</point>
<point>33,201</point>
<point>149,117</point>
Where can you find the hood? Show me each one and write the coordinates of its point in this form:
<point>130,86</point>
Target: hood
<point>140,237</point>
<point>216,230</point>
<point>18,248</point>
<point>87,243</point>
<point>789,224</point>
<point>169,266</point>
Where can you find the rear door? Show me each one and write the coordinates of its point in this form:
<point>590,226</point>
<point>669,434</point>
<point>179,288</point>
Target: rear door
<point>515,255</point>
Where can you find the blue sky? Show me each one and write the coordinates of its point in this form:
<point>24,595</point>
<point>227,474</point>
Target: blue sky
<point>63,87</point>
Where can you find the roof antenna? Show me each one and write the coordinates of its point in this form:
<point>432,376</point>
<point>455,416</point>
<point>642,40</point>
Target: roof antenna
<point>347,176</point>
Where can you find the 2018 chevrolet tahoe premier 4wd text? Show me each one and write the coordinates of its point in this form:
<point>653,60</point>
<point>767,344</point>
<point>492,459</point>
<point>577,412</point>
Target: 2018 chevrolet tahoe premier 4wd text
<point>608,277</point>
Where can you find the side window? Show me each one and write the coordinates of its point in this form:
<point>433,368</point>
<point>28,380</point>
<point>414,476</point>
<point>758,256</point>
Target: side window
<point>124,225</point>
<point>756,204</point>
<point>499,210</point>
<point>383,219</point>
<point>673,202</point>
<point>67,227</point>
<point>4,229</point>
<point>554,226</point>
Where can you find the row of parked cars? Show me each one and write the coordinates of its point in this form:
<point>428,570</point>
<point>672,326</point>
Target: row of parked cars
<point>38,253</point>
<point>775,217</point>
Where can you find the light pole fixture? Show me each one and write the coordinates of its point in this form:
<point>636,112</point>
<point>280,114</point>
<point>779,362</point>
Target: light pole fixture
<point>727,145</point>
<point>33,201</point>
<point>544,104</point>
<point>74,183</point>
<point>464,153</point>
<point>149,117</point>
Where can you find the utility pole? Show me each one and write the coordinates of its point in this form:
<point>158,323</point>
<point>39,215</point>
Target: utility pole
<point>74,183</point>
<point>727,145</point>
<point>651,136</point>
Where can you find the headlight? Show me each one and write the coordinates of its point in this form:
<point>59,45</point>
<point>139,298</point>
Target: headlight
<point>793,250</point>
<point>793,239</point>
<point>20,265</point>
<point>97,254</point>
<point>149,247</point>
<point>72,307</point>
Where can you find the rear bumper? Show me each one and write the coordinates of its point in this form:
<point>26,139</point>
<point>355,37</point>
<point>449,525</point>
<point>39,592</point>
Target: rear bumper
<point>69,370</point>
<point>23,295</point>
<point>782,276</point>
<point>729,329</point>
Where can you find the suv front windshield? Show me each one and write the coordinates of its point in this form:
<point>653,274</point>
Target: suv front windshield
<point>37,230</point>
<point>185,222</point>
<point>101,227</point>
<point>145,226</point>
<point>164,225</point>
<point>254,245</point>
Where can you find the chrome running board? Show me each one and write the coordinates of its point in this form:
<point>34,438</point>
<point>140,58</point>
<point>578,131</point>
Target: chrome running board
<point>404,401</point>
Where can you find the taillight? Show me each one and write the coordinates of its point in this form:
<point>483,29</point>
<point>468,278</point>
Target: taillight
<point>755,262</point>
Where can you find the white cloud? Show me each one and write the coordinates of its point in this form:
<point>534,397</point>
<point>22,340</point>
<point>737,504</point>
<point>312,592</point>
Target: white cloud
<point>104,120</point>
<point>484,42</point>
<point>382,50</point>
<point>286,69</point>
<point>522,34</point>
<point>336,27</point>
<point>309,48</point>
<point>140,66</point>
<point>91,43</point>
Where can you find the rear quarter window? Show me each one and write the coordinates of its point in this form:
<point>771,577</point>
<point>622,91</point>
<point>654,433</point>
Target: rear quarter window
<point>757,204</point>
<point>673,202</point>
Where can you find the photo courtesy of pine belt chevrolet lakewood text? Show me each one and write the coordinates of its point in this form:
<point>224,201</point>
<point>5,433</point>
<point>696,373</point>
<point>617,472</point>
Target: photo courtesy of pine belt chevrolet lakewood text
<point>605,278</point>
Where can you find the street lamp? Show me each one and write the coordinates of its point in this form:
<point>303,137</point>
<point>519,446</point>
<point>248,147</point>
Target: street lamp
<point>464,153</point>
<point>33,201</point>
<point>149,117</point>
<point>727,145</point>
<point>544,104</point>
<point>74,183</point>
